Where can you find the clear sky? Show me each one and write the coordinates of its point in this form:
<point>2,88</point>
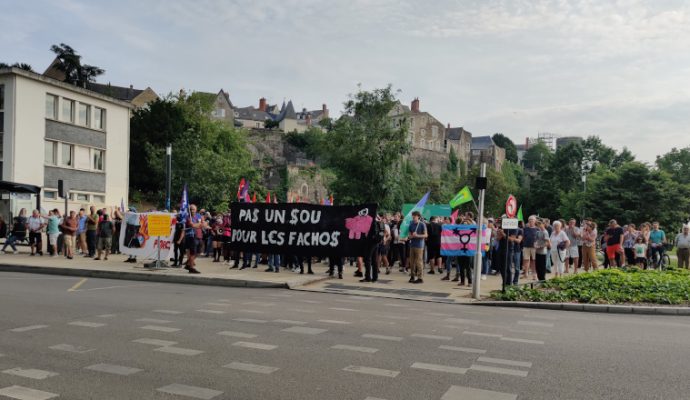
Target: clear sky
<point>617,69</point>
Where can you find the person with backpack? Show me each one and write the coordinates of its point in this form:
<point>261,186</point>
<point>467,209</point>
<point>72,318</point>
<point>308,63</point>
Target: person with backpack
<point>371,260</point>
<point>105,237</point>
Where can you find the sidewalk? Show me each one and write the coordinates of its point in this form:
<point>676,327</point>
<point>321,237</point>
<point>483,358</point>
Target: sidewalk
<point>394,285</point>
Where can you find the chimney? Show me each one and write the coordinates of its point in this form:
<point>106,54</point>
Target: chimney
<point>526,143</point>
<point>415,105</point>
<point>324,111</point>
<point>130,91</point>
<point>449,125</point>
<point>262,104</point>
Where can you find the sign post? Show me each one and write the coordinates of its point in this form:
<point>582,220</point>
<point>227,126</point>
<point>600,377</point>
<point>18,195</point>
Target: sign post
<point>481,185</point>
<point>159,225</point>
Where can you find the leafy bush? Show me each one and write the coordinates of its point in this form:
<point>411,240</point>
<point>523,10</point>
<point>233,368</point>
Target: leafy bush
<point>611,286</point>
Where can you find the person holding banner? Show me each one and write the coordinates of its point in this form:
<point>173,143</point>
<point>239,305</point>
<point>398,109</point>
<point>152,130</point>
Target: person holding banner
<point>417,236</point>
<point>193,236</point>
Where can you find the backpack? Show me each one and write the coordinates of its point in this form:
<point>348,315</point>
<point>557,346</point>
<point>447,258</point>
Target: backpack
<point>379,231</point>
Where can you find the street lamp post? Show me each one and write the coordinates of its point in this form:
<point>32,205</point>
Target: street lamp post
<point>168,162</point>
<point>584,192</point>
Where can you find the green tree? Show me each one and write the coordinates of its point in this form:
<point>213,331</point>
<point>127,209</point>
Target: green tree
<point>365,151</point>
<point>676,163</point>
<point>24,66</point>
<point>271,124</point>
<point>503,141</point>
<point>69,62</point>
<point>537,157</point>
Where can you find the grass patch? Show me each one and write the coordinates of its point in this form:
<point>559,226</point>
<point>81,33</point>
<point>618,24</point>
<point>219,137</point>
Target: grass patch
<point>610,286</point>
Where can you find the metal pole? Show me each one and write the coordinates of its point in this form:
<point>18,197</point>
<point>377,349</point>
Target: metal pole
<point>478,256</point>
<point>168,156</point>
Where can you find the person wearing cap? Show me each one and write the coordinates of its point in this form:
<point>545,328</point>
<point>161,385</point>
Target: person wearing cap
<point>417,235</point>
<point>682,244</point>
<point>614,242</point>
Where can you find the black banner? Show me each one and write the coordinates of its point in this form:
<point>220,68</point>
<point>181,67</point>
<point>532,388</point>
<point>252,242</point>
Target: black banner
<point>303,229</point>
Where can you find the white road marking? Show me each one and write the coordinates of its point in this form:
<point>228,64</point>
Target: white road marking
<point>113,369</point>
<point>156,328</point>
<point>87,324</point>
<point>113,287</point>
<point>71,348</point>
<point>439,368</point>
<point>462,349</point>
<point>155,342</point>
<point>30,373</point>
<point>341,309</point>
<point>433,337</point>
<point>252,311</point>
<point>309,301</point>
<point>394,305</point>
<point>535,323</point>
<point>355,348</point>
<point>218,304</point>
<point>28,328</point>
<point>305,330</point>
<point>190,391</point>
<point>259,303</point>
<point>259,369</point>
<point>372,371</point>
<point>495,370</point>
<point>256,321</point>
<point>461,321</point>
<point>505,362</point>
<point>256,346</point>
<point>347,301</point>
<point>211,311</point>
<point>396,317</point>
<point>382,337</point>
<point>224,300</point>
<point>168,312</point>
<point>154,321</point>
<point>179,351</point>
<point>303,310</point>
<point>468,393</point>
<point>24,393</point>
<point>518,340</point>
<point>494,335</point>
<point>237,334</point>
<point>106,315</point>
<point>289,322</point>
<point>332,321</point>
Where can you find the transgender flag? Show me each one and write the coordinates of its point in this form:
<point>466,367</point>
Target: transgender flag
<point>460,240</point>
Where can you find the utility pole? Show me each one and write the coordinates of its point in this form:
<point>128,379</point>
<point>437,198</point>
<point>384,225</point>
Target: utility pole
<point>481,185</point>
<point>168,156</point>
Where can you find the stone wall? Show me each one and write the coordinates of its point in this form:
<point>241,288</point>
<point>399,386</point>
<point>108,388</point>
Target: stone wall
<point>429,161</point>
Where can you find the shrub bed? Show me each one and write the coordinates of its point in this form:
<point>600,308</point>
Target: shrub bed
<point>610,286</point>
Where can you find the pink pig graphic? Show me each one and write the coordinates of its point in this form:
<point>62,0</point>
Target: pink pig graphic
<point>359,225</point>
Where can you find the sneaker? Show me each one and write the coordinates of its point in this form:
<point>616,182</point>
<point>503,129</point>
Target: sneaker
<point>431,272</point>
<point>388,271</point>
<point>340,276</point>
<point>483,277</point>
<point>411,280</point>
<point>445,278</point>
<point>365,280</point>
<point>32,254</point>
<point>420,280</point>
<point>194,271</point>
<point>16,252</point>
<point>268,270</point>
<point>276,270</point>
<point>358,274</point>
<point>104,258</point>
<point>455,279</point>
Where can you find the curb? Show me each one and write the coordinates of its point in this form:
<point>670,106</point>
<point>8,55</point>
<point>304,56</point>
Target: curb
<point>144,276</point>
<point>597,308</point>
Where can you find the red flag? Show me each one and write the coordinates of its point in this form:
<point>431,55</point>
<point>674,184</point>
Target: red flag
<point>331,198</point>
<point>239,189</point>
<point>454,216</point>
<point>268,198</point>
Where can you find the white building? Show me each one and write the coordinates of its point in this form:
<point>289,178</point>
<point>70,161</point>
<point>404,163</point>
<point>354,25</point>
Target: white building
<point>51,130</point>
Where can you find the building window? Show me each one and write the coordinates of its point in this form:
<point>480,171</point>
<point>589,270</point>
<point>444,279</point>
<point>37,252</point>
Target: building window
<point>67,155</point>
<point>97,198</point>
<point>99,118</point>
<point>51,106</point>
<point>84,114</point>
<point>68,110</point>
<point>438,145</point>
<point>2,97</point>
<point>97,159</point>
<point>49,195</point>
<point>50,153</point>
<point>82,197</point>
<point>220,113</point>
<point>422,143</point>
<point>434,132</point>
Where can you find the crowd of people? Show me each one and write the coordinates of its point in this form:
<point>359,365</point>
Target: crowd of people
<point>534,249</point>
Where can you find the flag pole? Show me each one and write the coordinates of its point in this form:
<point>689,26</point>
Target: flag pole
<point>481,185</point>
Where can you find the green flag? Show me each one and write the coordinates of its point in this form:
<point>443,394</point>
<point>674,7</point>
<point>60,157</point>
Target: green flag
<point>519,214</point>
<point>463,196</point>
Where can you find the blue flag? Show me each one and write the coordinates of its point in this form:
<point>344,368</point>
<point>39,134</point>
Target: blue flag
<point>184,203</point>
<point>404,227</point>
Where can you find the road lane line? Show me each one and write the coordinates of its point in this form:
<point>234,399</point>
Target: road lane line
<point>256,346</point>
<point>468,393</point>
<point>28,328</point>
<point>77,285</point>
<point>24,393</point>
<point>237,334</point>
<point>30,373</point>
<point>259,369</point>
<point>512,363</point>
<point>190,391</point>
<point>439,368</point>
<point>87,324</point>
<point>256,321</point>
<point>493,335</point>
<point>518,340</point>
<point>333,321</point>
<point>165,329</point>
<point>154,321</point>
<point>462,349</point>
<point>178,350</point>
<point>382,337</point>
<point>495,370</point>
<point>71,348</point>
<point>113,369</point>
<point>155,342</point>
<point>372,371</point>
<point>168,312</point>
<point>354,348</point>
<point>433,337</point>
<point>211,311</point>
<point>305,330</point>
<point>289,322</point>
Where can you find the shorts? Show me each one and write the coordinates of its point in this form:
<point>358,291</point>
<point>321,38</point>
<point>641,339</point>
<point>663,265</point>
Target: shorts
<point>52,238</point>
<point>35,238</point>
<point>529,253</point>
<point>218,238</point>
<point>105,243</point>
<point>69,241</point>
<point>641,260</point>
<point>82,237</point>
<point>192,245</point>
<point>433,252</point>
<point>612,250</point>
<point>383,249</point>
<point>573,252</point>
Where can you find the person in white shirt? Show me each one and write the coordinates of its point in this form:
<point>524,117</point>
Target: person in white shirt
<point>36,224</point>
<point>559,244</point>
<point>682,244</point>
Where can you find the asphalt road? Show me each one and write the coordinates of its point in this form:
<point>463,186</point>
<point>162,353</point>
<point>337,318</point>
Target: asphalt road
<point>69,338</point>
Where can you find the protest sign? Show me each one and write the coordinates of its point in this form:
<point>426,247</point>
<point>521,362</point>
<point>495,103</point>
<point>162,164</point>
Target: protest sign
<point>461,240</point>
<point>303,229</point>
<point>136,240</point>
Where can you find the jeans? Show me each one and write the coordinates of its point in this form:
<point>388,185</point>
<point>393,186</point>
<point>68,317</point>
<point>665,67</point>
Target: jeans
<point>274,262</point>
<point>657,254</point>
<point>10,241</point>
<point>179,252</point>
<point>91,242</point>
<point>486,264</point>
<point>449,265</point>
<point>516,259</point>
<point>335,262</point>
<point>371,268</point>
<point>465,264</point>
